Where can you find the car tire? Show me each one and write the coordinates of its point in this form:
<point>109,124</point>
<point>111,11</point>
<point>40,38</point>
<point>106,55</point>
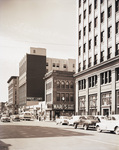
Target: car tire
<point>85,127</point>
<point>116,131</point>
<point>98,129</point>
<point>75,126</point>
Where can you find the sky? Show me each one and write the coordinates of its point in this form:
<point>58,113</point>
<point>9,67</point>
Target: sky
<point>49,24</point>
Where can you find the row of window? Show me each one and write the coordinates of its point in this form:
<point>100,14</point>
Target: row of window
<point>109,54</point>
<point>105,78</point>
<point>102,1</point>
<point>102,33</point>
<point>65,97</point>
<point>64,84</point>
<point>58,65</point>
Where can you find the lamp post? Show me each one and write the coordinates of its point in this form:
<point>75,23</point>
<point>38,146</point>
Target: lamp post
<point>63,99</point>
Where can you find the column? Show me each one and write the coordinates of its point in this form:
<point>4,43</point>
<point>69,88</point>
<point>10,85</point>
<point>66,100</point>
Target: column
<point>98,95</point>
<point>87,91</point>
<point>113,91</point>
<point>76,97</point>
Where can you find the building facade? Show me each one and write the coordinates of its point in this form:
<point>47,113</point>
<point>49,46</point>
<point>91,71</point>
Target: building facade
<point>32,69</point>
<point>97,72</point>
<point>12,104</point>
<point>59,94</point>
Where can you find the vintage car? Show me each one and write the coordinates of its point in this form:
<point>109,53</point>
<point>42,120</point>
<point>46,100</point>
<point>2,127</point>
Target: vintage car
<point>110,124</point>
<point>5,118</point>
<point>62,120</point>
<point>73,119</point>
<point>15,118</point>
<point>25,116</point>
<point>86,122</point>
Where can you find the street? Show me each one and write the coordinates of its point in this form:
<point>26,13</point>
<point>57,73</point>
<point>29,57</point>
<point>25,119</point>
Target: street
<point>41,135</point>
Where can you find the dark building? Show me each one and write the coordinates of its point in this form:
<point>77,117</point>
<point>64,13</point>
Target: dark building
<point>31,72</point>
<point>59,94</point>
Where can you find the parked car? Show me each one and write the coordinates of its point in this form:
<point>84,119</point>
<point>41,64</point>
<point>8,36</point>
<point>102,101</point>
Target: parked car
<point>5,118</point>
<point>73,119</point>
<point>110,124</point>
<point>25,116</point>
<point>15,118</point>
<point>86,122</point>
<point>62,120</point>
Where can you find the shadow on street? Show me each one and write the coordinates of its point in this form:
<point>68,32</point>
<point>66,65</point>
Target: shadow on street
<point>8,131</point>
<point>4,146</point>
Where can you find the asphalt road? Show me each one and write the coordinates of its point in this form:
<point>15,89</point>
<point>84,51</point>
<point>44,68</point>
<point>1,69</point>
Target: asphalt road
<point>35,135</point>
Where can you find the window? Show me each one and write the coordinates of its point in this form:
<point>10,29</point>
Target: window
<point>117,5</point>
<point>73,65</point>
<point>84,64</point>
<point>79,35</point>
<point>62,84</point>
<point>84,47</point>
<point>117,49</point>
<point>62,96</point>
<point>102,36</point>
<point>67,84</point>
<point>82,84</point>
<point>67,97</point>
<point>79,3</point>
<point>110,11</point>
<point>53,65</point>
<point>109,52</point>
<point>90,44</point>
<point>34,51</point>
<point>79,51</point>
<point>102,56</point>
<point>82,103</point>
<point>90,9</point>
<point>117,27</point>
<point>58,84</point>
<point>92,81</point>
<point>95,40</point>
<point>90,26</point>
<point>71,97</point>
<point>89,62</point>
<point>58,65</point>
<point>46,63</point>
<point>71,85</point>
<point>102,17</point>
<point>95,59</point>
<point>96,22</point>
<point>58,96</point>
<point>106,98</point>
<point>84,14</point>
<point>95,4</point>
<point>64,66</point>
<point>84,30</point>
<point>102,1</point>
<point>48,86</point>
<point>79,67</point>
<point>106,77</point>
<point>79,18</point>
<point>117,74</point>
<point>109,31</point>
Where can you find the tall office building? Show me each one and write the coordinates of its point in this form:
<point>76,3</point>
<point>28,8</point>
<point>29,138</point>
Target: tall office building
<point>97,72</point>
<point>32,69</point>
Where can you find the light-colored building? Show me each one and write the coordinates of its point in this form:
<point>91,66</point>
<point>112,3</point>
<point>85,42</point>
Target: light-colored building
<point>12,104</point>
<point>60,64</point>
<point>97,71</point>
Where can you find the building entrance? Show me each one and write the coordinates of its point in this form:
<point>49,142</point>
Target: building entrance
<point>106,112</point>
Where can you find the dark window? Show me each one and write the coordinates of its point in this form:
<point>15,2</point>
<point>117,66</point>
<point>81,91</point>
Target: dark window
<point>84,65</point>
<point>117,27</point>
<point>95,4</point>
<point>102,36</point>
<point>95,59</point>
<point>90,44</point>
<point>62,97</point>
<point>84,14</point>
<point>58,65</point>
<point>79,3</point>
<point>67,97</point>
<point>79,51</point>
<point>89,62</point>
<point>82,84</point>
<point>58,84</point>
<point>102,17</point>
<point>79,67</point>
<point>109,53</point>
<point>53,64</point>
<point>84,47</point>
<point>95,41</point>
<point>102,56</point>
<point>46,63</point>
<point>102,1</point>
<point>64,66</point>
<point>117,74</point>
<point>90,26</point>
<point>106,77</point>
<point>110,11</point>
<point>84,31</point>
<point>79,18</point>
<point>71,85</point>
<point>117,5</point>
<point>67,84</point>
<point>62,84</point>
<point>79,35</point>
<point>117,49</point>
<point>90,9</point>
<point>96,22</point>
<point>58,96</point>
<point>71,97</point>
<point>109,31</point>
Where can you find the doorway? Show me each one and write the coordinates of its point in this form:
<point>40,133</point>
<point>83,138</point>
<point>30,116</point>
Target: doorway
<point>106,112</point>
